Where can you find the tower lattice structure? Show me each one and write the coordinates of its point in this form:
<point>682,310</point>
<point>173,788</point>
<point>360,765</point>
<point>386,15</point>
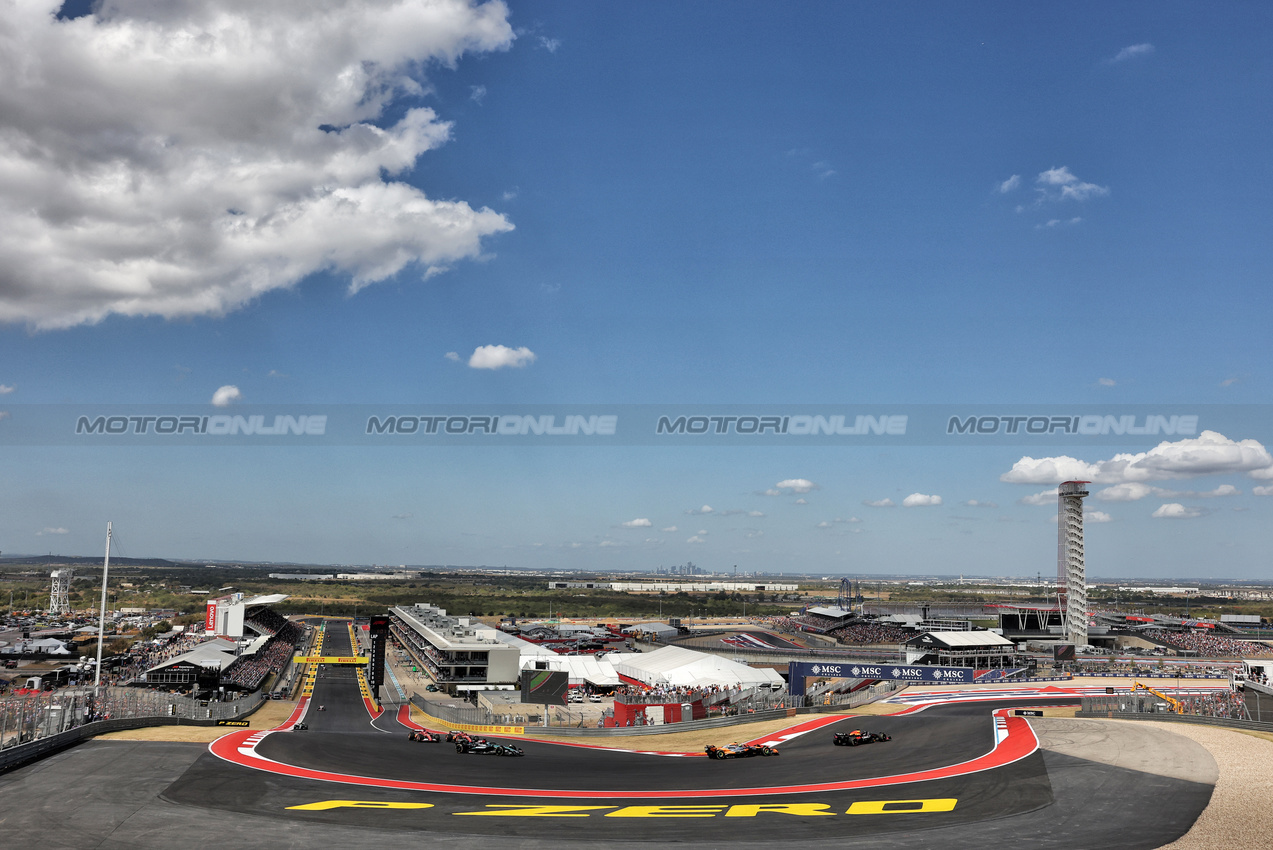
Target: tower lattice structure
<point>1071,570</point>
<point>60,591</point>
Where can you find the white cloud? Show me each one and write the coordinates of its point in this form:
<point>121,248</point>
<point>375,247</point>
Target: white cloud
<point>976,503</point>
<point>1228,382</point>
<point>1175,510</point>
<point>802,501</point>
<point>695,539</point>
<point>772,492</point>
<point>1262,491</point>
<point>225,396</point>
<point>668,530</point>
<point>796,485</point>
<point>1011,183</point>
<point>183,158</point>
<point>274,373</point>
<point>706,509</point>
<point>1222,490</point>
<point>453,356</point>
<point>500,356</point>
<point>1047,497</point>
<point>880,503</point>
<point>1096,516</point>
<point>1133,491</point>
<point>52,531</point>
<point>477,94</point>
<point>549,44</point>
<point>402,516</point>
<point>755,514</point>
<point>5,389</point>
<point>1058,184</point>
<point>1133,51</point>
<point>838,521</point>
<point>1210,453</point>
<point>640,522</point>
<point>920,500</point>
<point>1107,382</point>
<point>4,414</point>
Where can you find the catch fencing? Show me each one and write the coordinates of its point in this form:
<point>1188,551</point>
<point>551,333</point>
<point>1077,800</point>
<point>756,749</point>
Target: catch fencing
<point>35,723</point>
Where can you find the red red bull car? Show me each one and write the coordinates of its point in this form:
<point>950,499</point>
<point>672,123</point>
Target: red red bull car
<point>859,736</point>
<point>738,751</point>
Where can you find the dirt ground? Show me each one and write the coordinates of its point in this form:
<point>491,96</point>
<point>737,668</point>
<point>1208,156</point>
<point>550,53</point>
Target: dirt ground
<point>268,716</point>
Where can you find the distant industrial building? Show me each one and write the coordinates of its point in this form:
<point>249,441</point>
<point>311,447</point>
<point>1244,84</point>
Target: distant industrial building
<point>674,586</point>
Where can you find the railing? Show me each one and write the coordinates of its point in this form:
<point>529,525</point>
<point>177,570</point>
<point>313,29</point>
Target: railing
<point>33,725</point>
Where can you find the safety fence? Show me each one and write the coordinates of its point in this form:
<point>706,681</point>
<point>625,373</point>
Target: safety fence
<point>33,725</point>
<point>1219,705</point>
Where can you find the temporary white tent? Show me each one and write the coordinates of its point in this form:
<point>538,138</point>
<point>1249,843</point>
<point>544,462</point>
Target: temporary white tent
<point>676,666</point>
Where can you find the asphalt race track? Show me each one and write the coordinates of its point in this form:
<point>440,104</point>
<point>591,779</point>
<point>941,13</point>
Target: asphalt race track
<point>955,775</point>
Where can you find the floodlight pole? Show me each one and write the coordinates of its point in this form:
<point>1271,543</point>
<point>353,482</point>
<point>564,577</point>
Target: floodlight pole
<point>101,616</point>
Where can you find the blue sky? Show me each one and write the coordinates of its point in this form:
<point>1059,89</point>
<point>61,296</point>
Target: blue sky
<point>709,203</point>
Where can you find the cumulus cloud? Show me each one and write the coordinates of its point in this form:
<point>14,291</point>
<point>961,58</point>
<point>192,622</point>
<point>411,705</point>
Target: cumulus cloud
<point>1011,183</point>
<point>1175,510</point>
<point>706,509</point>
<point>880,503</point>
<point>1096,516</point>
<point>1262,491</point>
<point>183,158</point>
<point>1107,382</point>
<point>668,530</point>
<point>52,531</point>
<point>4,414</point>
<point>920,500</point>
<point>500,356</point>
<point>640,522</point>
<point>225,396</point>
<point>5,389</point>
<point>695,539</point>
<point>796,485</point>
<point>1133,51</point>
<point>1059,184</point>
<point>1210,453</point>
<point>802,501</point>
<point>977,503</point>
<point>1047,497</point>
<point>453,356</point>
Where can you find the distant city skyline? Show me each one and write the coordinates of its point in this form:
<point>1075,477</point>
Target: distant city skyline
<point>860,209</point>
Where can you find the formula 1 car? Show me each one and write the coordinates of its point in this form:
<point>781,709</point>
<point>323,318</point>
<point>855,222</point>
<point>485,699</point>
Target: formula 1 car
<point>455,736</point>
<point>483,747</point>
<point>858,736</point>
<point>424,736</point>
<point>300,727</point>
<point>738,751</point>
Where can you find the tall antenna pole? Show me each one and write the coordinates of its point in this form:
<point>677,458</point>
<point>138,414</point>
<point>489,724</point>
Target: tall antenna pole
<point>101,617</point>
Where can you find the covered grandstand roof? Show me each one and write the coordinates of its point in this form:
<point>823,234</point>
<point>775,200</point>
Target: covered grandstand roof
<point>960,640</point>
<point>677,666</point>
<point>267,599</point>
<point>831,612</point>
<point>218,653</point>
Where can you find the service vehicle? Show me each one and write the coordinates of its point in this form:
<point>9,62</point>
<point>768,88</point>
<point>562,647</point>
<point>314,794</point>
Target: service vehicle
<point>739,751</point>
<point>858,736</point>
